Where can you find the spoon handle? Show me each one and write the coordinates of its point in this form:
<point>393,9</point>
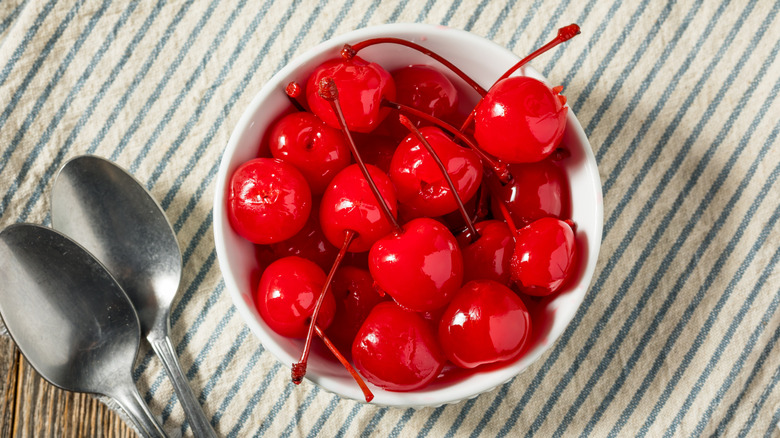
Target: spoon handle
<point>128,397</point>
<point>201,427</point>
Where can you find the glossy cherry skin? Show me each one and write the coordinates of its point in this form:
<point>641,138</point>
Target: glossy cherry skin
<point>349,204</point>
<point>420,183</point>
<point>310,243</point>
<point>268,200</point>
<point>485,323</point>
<point>544,256</point>
<point>427,89</point>
<point>396,349</point>
<point>361,86</point>
<point>536,190</point>
<point>288,293</point>
<point>355,294</point>
<point>313,147</point>
<point>421,267</point>
<point>520,120</point>
<point>489,258</point>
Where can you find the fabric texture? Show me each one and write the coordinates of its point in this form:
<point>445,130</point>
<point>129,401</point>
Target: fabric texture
<point>678,333</point>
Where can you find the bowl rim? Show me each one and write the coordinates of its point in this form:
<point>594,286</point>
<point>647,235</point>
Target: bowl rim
<point>449,394</point>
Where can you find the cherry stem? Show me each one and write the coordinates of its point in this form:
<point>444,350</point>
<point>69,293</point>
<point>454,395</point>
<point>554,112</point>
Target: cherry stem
<point>500,169</point>
<point>293,91</point>
<point>299,369</point>
<point>366,391</point>
<point>329,91</point>
<point>349,51</point>
<point>480,207</point>
<point>469,223</point>
<point>564,34</point>
<point>507,217</point>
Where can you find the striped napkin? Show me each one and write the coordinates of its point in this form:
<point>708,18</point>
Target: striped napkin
<point>678,334</point>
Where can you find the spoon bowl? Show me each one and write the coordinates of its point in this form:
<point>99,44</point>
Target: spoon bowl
<point>104,208</point>
<point>70,318</point>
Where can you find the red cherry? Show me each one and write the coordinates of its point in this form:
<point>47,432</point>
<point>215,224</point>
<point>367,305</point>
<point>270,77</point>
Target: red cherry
<point>520,120</point>
<point>420,267</point>
<point>536,190</point>
<point>427,89</point>
<point>310,243</point>
<point>376,150</point>
<point>419,181</point>
<point>485,323</point>
<point>355,294</point>
<point>268,200</point>
<point>349,204</point>
<point>313,147</point>
<point>544,256</point>
<point>362,87</point>
<point>490,256</point>
<point>396,349</point>
<point>287,294</point>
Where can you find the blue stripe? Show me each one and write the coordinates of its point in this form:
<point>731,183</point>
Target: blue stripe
<point>217,374</point>
<point>426,9</point>
<point>693,221</point>
<point>202,104</point>
<point>757,367</point>
<point>401,423</point>
<point>139,76</point>
<point>31,31</point>
<point>760,404</point>
<point>397,11</point>
<point>643,87</point>
<point>491,410</point>
<point>10,18</point>
<point>726,340</point>
<point>612,262</point>
<point>450,12</point>
<point>500,19</point>
<point>675,334</point>
<point>369,13</point>
<point>299,411</point>
<point>461,417</point>
<point>426,429</point>
<point>339,18</point>
<point>558,54</point>
<point>530,13</point>
<point>552,24</point>
<point>33,71</point>
<point>475,16</point>
<point>369,429</point>
<point>269,377</point>
<point>54,124</point>
<point>188,85</point>
<point>266,422</point>
<point>348,421</point>
<point>737,368</point>
<point>315,430</point>
<point>774,425</point>
<point>660,272</point>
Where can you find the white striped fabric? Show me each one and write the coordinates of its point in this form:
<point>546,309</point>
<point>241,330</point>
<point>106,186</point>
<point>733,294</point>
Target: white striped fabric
<point>678,334</point>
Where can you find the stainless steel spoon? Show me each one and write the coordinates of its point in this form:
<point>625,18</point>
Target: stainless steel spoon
<point>70,318</point>
<point>104,208</point>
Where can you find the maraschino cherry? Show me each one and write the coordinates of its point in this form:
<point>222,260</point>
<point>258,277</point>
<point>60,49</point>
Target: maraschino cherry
<point>396,349</point>
<point>485,323</point>
<point>419,181</point>
<point>310,243</point>
<point>544,256</point>
<point>362,85</point>
<point>488,257</point>
<point>318,151</point>
<point>355,295</point>
<point>268,200</point>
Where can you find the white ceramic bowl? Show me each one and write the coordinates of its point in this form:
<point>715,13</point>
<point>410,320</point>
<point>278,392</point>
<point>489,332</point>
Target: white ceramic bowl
<point>482,60</point>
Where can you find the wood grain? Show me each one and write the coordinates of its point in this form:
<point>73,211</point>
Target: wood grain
<point>32,407</point>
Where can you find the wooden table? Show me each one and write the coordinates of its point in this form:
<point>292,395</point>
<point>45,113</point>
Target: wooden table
<point>32,407</point>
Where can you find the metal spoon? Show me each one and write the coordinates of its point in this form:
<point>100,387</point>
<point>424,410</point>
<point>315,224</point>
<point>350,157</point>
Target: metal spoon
<point>70,318</point>
<point>104,208</point>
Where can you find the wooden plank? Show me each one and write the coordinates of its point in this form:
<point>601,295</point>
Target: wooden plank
<point>43,410</point>
<point>9,357</point>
